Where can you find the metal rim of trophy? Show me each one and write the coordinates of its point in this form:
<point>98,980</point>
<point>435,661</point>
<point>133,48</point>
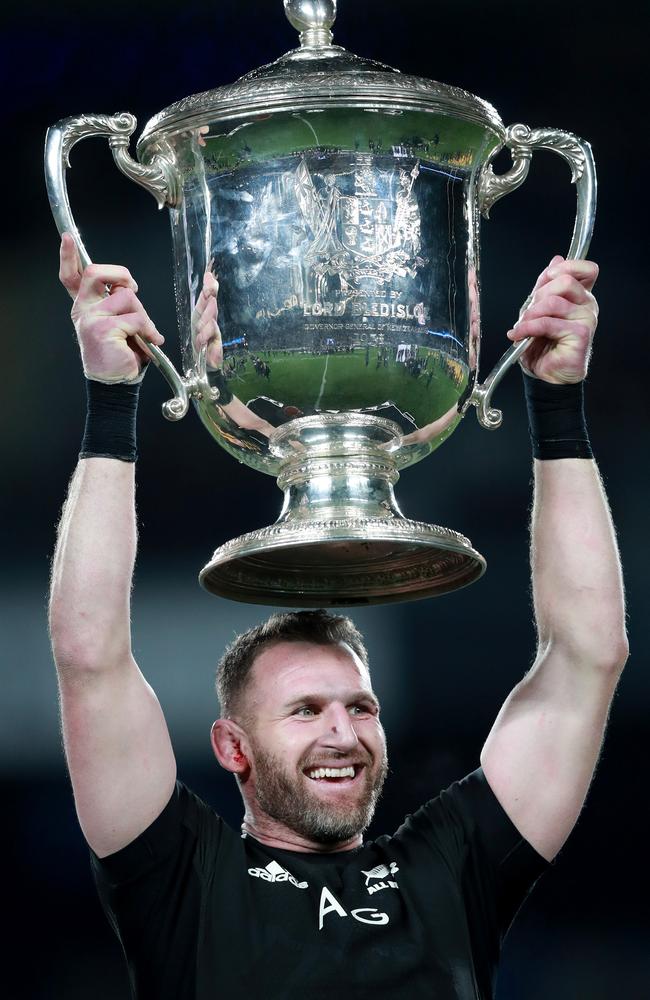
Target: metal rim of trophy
<point>333,555</point>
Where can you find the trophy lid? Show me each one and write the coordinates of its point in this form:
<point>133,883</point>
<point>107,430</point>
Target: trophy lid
<point>315,76</point>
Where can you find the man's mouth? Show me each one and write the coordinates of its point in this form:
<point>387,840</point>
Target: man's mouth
<point>335,775</point>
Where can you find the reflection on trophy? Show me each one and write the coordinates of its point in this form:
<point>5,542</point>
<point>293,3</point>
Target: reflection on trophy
<point>325,218</point>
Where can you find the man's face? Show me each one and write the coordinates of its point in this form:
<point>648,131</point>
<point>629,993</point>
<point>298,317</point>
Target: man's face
<point>314,708</point>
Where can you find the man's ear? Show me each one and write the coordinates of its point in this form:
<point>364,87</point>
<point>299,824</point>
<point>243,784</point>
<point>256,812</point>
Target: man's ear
<point>228,743</point>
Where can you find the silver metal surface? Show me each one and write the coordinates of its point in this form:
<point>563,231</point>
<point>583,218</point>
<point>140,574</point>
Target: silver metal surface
<point>342,562</point>
<point>156,178</point>
<point>325,213</point>
<point>316,75</point>
<point>522,141</point>
<point>313,19</point>
<point>341,538</point>
<point>358,83</point>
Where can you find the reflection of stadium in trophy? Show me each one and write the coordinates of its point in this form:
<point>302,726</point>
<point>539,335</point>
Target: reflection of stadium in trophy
<point>328,258</point>
<point>372,233</point>
<point>328,236</point>
<point>339,203</point>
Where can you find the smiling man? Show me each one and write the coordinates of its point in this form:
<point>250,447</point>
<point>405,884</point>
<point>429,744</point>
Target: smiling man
<point>297,700</point>
<point>299,904</point>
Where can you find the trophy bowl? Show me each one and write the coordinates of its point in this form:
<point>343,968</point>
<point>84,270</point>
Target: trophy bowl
<point>335,204</point>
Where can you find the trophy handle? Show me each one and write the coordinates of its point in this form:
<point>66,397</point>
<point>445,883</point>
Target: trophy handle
<point>521,141</point>
<point>158,177</point>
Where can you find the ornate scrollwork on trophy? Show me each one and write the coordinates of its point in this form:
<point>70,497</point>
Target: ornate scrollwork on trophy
<point>385,87</point>
<point>240,570</point>
<point>85,126</point>
<point>293,83</point>
<point>522,141</point>
<point>159,176</point>
<point>330,211</point>
<point>492,187</point>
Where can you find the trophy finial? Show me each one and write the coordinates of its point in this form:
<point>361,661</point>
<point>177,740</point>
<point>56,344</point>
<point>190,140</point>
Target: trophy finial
<point>313,19</point>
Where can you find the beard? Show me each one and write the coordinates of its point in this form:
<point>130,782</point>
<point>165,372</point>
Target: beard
<point>285,796</point>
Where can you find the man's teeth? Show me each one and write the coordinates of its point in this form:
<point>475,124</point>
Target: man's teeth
<point>331,772</point>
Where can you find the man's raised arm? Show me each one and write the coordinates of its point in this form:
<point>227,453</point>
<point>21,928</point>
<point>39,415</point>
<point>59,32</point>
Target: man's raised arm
<point>543,748</point>
<point>116,740</point>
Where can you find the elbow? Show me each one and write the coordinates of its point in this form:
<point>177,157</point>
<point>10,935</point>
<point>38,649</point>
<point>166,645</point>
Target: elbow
<point>70,656</point>
<point>616,656</point>
<point>606,656</point>
<point>83,642</point>
<point>608,651</point>
<point>76,652</point>
<point>601,648</point>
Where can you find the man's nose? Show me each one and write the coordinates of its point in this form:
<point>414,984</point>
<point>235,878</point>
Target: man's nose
<point>340,731</point>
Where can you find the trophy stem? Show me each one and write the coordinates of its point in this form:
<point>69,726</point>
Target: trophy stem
<point>340,539</point>
<point>326,488</point>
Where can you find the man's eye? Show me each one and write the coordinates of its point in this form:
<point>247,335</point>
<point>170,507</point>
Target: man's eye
<point>305,710</point>
<point>359,709</point>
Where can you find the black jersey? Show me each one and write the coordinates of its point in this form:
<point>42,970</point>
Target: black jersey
<point>204,913</point>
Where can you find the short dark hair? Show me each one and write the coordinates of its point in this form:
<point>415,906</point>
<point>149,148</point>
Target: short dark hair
<point>319,627</point>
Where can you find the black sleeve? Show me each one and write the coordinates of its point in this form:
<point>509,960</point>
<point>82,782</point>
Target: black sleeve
<point>493,864</point>
<point>151,892</point>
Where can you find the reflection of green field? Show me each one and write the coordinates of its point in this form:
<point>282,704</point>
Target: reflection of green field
<point>344,381</point>
<point>438,138</point>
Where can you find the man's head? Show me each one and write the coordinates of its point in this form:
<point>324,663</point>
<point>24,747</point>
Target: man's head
<point>296,699</point>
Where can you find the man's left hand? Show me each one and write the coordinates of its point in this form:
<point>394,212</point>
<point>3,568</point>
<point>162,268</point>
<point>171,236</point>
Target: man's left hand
<point>561,319</point>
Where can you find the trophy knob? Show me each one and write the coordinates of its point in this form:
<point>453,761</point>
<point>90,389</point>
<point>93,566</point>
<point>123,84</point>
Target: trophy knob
<point>313,19</point>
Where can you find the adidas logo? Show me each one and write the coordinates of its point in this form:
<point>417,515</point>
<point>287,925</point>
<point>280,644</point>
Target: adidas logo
<point>274,872</point>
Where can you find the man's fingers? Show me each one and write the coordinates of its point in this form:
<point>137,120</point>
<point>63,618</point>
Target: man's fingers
<point>70,269</point>
<point>124,329</point>
<point>584,271</point>
<point>121,325</point>
<point>120,300</point>
<point>205,310</point>
<point>208,292</point>
<point>210,279</point>
<point>565,286</point>
<point>207,332</point>
<point>97,276</point>
<point>89,284</point>
<point>206,305</point>
<point>551,328</point>
<point>123,303</point>
<point>560,307</point>
<point>145,328</point>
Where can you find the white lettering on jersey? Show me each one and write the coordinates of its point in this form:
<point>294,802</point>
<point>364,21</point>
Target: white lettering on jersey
<point>330,904</point>
<point>375,918</point>
<point>333,904</point>
<point>276,873</point>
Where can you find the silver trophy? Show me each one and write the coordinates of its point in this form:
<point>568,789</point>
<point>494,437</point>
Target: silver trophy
<point>338,202</point>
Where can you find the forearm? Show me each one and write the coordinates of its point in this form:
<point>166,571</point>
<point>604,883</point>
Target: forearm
<point>93,567</point>
<point>576,572</point>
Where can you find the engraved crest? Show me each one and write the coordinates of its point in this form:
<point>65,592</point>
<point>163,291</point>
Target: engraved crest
<point>371,229</point>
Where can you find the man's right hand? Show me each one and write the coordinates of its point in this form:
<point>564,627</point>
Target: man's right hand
<point>107,316</point>
<point>116,740</point>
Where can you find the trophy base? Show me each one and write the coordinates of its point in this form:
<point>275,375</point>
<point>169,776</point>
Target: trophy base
<point>342,562</point>
<point>341,539</point>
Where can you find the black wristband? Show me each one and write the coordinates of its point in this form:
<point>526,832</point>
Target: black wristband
<point>110,421</point>
<point>556,419</point>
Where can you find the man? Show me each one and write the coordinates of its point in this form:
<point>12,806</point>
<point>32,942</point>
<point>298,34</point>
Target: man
<point>299,905</point>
